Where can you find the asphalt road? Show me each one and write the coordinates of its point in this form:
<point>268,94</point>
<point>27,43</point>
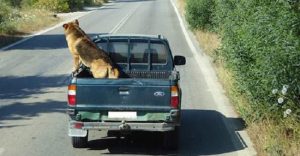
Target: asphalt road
<point>34,75</point>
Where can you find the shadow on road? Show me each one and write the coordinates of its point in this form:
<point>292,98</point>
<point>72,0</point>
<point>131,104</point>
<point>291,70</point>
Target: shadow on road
<point>44,42</point>
<point>23,87</point>
<point>8,39</point>
<point>203,132</point>
<point>28,88</point>
<point>138,143</point>
<point>24,111</point>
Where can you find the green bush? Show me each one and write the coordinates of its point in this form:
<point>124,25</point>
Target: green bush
<point>76,4</point>
<point>261,46</point>
<point>28,3</point>
<point>199,13</point>
<point>53,5</point>
<point>88,2</point>
<point>224,10</point>
<point>6,11</point>
<point>14,3</point>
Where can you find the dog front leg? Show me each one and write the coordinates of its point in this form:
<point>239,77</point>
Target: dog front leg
<point>76,63</point>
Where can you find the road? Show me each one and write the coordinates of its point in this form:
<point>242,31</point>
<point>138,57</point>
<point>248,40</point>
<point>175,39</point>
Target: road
<point>34,75</point>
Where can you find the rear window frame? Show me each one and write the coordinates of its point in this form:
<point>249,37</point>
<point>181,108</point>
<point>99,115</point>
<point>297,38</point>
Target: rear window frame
<point>130,40</point>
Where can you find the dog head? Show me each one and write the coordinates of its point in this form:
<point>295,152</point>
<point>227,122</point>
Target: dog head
<point>71,24</point>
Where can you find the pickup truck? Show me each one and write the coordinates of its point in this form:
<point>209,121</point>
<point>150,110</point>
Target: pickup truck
<point>146,96</point>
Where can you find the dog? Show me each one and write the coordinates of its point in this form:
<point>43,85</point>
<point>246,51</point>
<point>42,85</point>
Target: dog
<point>86,52</point>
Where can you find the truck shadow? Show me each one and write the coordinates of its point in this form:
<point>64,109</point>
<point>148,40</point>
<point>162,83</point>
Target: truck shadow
<point>13,87</point>
<point>29,89</point>
<point>26,111</point>
<point>140,143</point>
<point>203,132</point>
<point>209,132</point>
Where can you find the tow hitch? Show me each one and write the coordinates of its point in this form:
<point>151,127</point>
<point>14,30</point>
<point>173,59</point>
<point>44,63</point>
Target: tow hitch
<point>124,126</point>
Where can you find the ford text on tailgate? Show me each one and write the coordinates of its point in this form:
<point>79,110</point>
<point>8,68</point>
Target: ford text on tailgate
<point>146,96</point>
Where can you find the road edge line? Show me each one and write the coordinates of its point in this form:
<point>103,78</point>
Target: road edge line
<point>210,83</point>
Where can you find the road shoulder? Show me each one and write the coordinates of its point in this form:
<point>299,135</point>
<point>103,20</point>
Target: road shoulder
<point>224,106</point>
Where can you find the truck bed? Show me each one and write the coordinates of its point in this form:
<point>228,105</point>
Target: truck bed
<point>85,73</point>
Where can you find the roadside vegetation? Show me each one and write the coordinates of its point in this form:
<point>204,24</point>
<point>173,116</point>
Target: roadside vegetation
<point>255,46</point>
<point>23,17</point>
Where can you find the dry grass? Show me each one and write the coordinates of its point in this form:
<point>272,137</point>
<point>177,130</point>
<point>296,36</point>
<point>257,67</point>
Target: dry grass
<point>28,22</point>
<point>274,139</point>
<point>181,6</point>
<point>34,20</point>
<point>209,41</point>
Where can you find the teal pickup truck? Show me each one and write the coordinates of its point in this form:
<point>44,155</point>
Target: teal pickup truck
<point>146,96</point>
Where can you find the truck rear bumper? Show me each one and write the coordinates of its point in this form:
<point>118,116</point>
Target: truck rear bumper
<point>80,128</point>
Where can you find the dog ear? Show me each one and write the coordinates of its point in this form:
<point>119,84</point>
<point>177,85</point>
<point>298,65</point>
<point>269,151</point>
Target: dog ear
<point>77,22</point>
<point>65,26</point>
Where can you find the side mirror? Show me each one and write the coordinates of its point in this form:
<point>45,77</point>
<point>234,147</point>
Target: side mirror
<point>179,60</point>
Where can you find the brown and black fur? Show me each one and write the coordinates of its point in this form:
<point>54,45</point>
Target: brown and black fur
<point>85,51</point>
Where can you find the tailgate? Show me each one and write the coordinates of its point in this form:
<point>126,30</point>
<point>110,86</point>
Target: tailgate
<point>123,94</point>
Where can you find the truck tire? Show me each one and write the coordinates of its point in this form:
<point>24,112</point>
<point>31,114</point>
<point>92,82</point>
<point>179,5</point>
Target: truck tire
<point>80,142</point>
<point>171,139</point>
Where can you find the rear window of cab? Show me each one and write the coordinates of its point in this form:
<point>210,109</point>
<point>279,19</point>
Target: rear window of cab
<point>141,51</point>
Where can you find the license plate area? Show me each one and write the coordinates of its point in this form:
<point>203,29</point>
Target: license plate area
<point>77,132</point>
<point>122,115</point>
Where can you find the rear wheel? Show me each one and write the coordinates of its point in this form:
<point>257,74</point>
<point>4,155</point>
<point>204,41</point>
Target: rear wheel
<point>80,142</point>
<point>171,139</point>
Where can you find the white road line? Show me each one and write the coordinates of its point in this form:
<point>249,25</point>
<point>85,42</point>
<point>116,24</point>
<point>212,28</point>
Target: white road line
<point>123,21</point>
<point>119,25</point>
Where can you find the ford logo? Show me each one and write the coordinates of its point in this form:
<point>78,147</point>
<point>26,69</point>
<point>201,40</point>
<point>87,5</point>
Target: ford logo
<point>159,93</point>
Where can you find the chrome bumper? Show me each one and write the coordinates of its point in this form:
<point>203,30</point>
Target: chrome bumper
<point>77,128</point>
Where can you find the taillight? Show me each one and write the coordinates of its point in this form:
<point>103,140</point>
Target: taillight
<point>174,97</point>
<point>72,95</point>
<point>78,125</point>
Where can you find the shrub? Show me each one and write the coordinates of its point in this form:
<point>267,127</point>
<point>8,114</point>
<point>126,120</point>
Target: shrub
<point>53,5</point>
<point>76,4</point>
<point>199,13</point>
<point>88,2</point>
<point>28,3</point>
<point>261,45</point>
<point>224,10</point>
<point>14,3</point>
<point>6,12</point>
